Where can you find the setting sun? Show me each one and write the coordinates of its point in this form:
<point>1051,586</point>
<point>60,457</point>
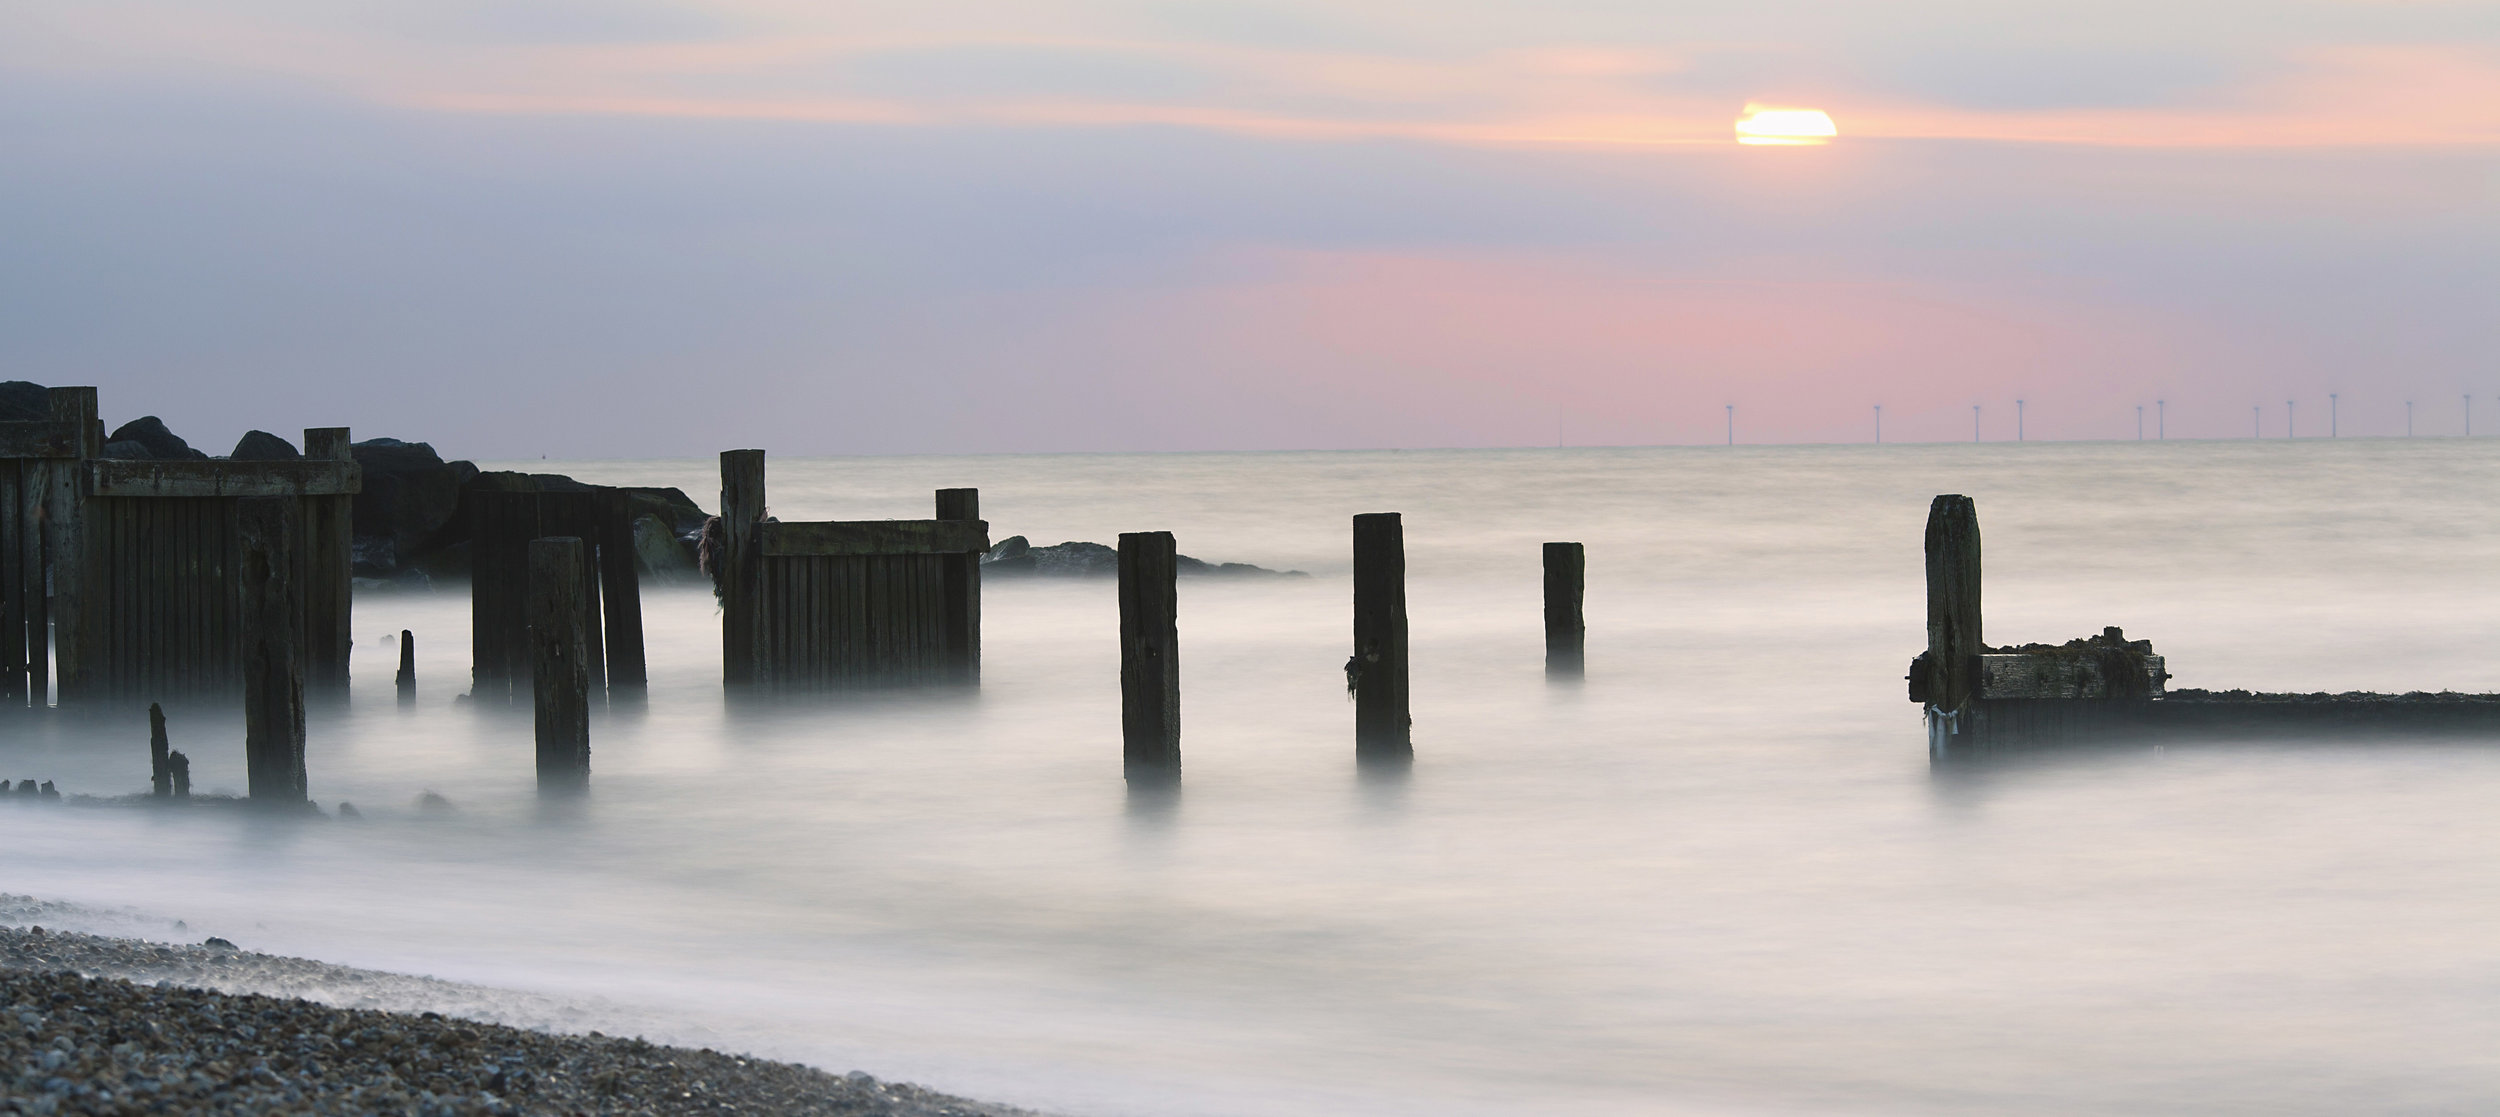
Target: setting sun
<point>1763,124</point>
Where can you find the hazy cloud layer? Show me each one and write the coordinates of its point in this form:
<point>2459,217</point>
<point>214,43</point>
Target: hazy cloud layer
<point>658,229</point>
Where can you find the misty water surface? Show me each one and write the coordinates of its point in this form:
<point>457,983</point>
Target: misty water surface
<point>1718,876</point>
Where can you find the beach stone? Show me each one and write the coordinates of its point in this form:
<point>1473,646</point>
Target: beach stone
<point>109,1044</point>
<point>262,446</point>
<point>162,444</point>
<point>24,402</point>
<point>410,502</point>
<point>126,451</point>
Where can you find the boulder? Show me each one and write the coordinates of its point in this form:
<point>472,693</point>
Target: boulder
<point>262,446</point>
<point>663,557</point>
<point>163,445</point>
<point>22,402</point>
<point>126,451</point>
<point>1016,556</point>
<point>1010,556</point>
<point>410,501</point>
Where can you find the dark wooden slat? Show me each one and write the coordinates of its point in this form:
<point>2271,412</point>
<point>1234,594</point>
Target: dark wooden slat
<point>2065,675</point>
<point>1150,656</point>
<point>742,512</point>
<point>13,630</point>
<point>67,535</point>
<point>273,661</point>
<point>560,673</point>
<point>1566,629</point>
<point>39,440</point>
<point>620,595</point>
<point>108,477</point>
<point>1377,671</point>
<point>876,537</point>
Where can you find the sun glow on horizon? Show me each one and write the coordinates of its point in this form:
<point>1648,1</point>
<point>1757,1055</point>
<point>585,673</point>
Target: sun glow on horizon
<point>1765,125</point>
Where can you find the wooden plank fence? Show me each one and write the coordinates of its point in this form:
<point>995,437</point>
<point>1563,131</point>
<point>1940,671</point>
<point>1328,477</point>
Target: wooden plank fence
<point>833,605</point>
<point>130,568</point>
<point>502,524</point>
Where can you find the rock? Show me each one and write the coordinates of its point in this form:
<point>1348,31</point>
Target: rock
<point>1015,556</point>
<point>126,451</point>
<point>162,444</point>
<point>215,943</point>
<point>48,791</point>
<point>664,557</point>
<point>1012,555</point>
<point>24,402</point>
<point>432,803</point>
<point>348,810</point>
<point>410,502</point>
<point>262,446</point>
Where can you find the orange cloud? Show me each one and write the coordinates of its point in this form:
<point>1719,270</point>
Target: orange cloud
<point>1533,95</point>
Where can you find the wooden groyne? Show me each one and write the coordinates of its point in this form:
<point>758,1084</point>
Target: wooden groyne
<point>503,523</point>
<point>831,605</point>
<point>1981,699</point>
<point>119,579</point>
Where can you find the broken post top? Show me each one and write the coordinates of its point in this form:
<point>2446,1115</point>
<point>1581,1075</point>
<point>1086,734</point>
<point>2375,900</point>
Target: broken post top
<point>1953,631</point>
<point>959,504</point>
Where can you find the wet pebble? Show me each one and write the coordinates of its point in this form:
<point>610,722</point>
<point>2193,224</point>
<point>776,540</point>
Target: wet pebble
<point>102,1045</point>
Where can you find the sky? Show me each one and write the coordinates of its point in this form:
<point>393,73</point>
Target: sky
<point>632,228</point>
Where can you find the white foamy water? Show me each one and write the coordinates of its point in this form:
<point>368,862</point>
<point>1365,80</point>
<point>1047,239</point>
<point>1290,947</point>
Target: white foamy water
<point>1719,876</point>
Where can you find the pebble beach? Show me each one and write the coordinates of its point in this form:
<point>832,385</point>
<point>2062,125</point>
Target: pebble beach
<point>98,1025</point>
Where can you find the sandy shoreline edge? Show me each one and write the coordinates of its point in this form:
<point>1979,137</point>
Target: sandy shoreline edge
<point>105,1025</point>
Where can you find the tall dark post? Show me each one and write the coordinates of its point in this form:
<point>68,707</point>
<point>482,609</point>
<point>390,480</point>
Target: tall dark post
<point>273,651</point>
<point>1566,631</point>
<point>1150,656</point>
<point>1953,636</point>
<point>741,565</point>
<point>560,662</point>
<point>963,591</point>
<point>325,566</point>
<point>1376,674</point>
<point>407,667</point>
<point>620,600</point>
<point>160,755</point>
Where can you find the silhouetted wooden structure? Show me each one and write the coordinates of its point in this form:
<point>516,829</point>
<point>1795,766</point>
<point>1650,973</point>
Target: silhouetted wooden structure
<point>560,644</point>
<point>1980,699</point>
<point>1566,630</point>
<point>1376,672</point>
<point>502,523</point>
<point>830,605</point>
<point>1150,656</point>
<point>130,568</point>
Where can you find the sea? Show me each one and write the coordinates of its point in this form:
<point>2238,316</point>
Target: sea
<point>1717,875</point>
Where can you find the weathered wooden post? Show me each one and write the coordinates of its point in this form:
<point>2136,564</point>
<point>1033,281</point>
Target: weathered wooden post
<point>178,767</point>
<point>620,601</point>
<point>963,592</point>
<point>1566,631</point>
<point>273,652</point>
<point>741,565</point>
<point>62,527</point>
<point>407,680</point>
<point>1376,674</point>
<point>1150,656</point>
<point>560,662</point>
<point>1948,675</point>
<point>326,566</point>
<point>160,755</point>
